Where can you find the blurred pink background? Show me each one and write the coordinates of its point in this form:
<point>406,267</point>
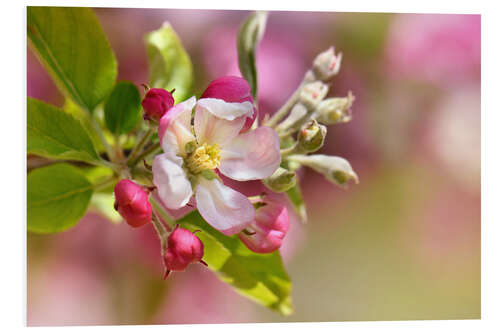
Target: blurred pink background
<point>403,244</point>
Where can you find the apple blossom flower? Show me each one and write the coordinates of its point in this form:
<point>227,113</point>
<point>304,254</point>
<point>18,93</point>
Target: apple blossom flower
<point>193,154</point>
<point>265,234</point>
<point>183,248</point>
<point>132,203</point>
<point>156,102</point>
<point>232,89</point>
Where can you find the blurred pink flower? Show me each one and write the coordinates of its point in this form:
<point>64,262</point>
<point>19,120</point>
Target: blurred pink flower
<point>439,48</point>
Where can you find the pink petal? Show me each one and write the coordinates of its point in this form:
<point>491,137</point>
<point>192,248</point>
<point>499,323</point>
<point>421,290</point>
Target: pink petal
<point>222,207</point>
<point>216,121</point>
<point>174,189</point>
<point>251,155</point>
<point>174,130</point>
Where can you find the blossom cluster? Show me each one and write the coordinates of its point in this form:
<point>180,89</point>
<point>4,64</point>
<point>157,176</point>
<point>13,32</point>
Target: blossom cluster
<point>218,136</point>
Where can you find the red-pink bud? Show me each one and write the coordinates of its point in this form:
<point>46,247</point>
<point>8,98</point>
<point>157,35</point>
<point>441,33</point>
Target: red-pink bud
<point>268,229</point>
<point>131,201</point>
<point>157,102</point>
<point>232,89</point>
<point>183,248</point>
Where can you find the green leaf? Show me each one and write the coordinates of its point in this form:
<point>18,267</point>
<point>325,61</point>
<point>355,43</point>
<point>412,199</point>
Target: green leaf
<point>74,50</point>
<point>249,36</point>
<point>260,277</point>
<point>58,196</point>
<point>54,133</point>
<point>295,196</point>
<point>169,64</point>
<point>76,111</point>
<point>123,108</point>
<point>103,203</point>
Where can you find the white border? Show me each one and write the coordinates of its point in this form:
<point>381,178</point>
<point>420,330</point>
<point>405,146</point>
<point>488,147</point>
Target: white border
<point>13,185</point>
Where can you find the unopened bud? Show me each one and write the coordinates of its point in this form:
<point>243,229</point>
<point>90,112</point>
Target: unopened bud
<point>335,169</point>
<point>313,93</point>
<point>232,89</point>
<point>131,201</point>
<point>183,248</point>
<point>266,233</point>
<point>326,64</point>
<point>335,110</point>
<point>156,103</point>
<point>311,137</point>
<point>281,180</point>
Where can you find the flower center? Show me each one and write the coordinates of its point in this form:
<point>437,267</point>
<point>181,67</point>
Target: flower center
<point>204,157</point>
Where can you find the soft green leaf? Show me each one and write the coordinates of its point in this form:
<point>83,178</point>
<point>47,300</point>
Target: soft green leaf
<point>295,196</point>
<point>169,64</point>
<point>249,36</point>
<point>260,277</point>
<point>123,108</point>
<point>103,203</point>
<point>76,111</point>
<point>73,48</point>
<point>58,196</point>
<point>55,134</point>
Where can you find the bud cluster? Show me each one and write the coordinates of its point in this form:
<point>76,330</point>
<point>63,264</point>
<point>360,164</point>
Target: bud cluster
<point>301,124</point>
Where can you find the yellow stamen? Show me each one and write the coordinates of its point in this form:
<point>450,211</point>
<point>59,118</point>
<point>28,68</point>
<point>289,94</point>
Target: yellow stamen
<point>205,157</point>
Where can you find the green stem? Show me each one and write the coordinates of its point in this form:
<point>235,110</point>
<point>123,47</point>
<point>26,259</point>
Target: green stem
<point>104,184</point>
<point>283,111</point>
<point>162,233</point>
<point>153,148</point>
<point>98,129</point>
<point>138,147</point>
<point>163,216</point>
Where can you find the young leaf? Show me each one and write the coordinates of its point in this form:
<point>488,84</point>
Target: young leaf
<point>295,196</point>
<point>73,48</point>
<point>58,196</point>
<point>260,277</point>
<point>80,114</point>
<point>55,134</point>
<point>123,108</point>
<point>249,36</point>
<point>169,64</point>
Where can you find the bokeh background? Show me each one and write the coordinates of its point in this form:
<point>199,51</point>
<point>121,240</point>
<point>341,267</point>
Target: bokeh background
<point>403,244</point>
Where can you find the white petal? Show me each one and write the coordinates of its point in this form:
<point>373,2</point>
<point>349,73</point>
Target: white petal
<point>173,187</point>
<point>251,155</point>
<point>216,121</point>
<point>175,127</point>
<point>226,110</point>
<point>222,207</point>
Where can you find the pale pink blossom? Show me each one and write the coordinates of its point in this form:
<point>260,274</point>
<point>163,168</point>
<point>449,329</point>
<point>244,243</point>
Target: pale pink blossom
<point>193,154</point>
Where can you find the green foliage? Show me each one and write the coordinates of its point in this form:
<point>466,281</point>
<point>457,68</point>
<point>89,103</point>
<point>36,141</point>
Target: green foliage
<point>260,277</point>
<point>169,64</point>
<point>295,196</point>
<point>55,134</point>
<point>73,48</point>
<point>249,36</point>
<point>58,196</point>
<point>123,108</point>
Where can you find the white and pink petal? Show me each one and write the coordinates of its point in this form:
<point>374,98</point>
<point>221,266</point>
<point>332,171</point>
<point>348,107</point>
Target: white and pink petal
<point>222,207</point>
<point>173,186</point>
<point>174,130</point>
<point>251,155</point>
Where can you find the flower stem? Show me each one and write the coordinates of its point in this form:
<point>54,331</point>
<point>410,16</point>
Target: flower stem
<point>283,111</point>
<point>153,148</point>
<point>138,147</point>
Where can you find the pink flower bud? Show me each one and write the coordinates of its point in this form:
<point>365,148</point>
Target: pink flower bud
<point>183,249</point>
<point>157,102</point>
<point>232,89</point>
<point>131,201</point>
<point>267,231</point>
